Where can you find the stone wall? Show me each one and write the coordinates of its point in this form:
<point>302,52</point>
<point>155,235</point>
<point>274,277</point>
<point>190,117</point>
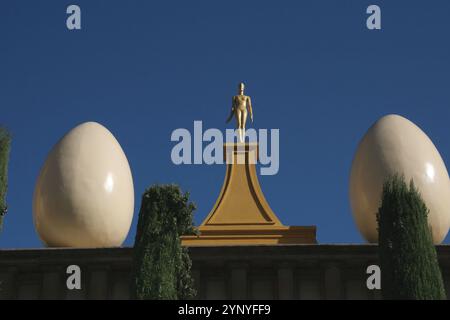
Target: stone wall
<point>241,272</point>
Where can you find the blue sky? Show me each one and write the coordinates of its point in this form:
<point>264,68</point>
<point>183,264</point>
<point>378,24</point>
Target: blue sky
<point>145,68</point>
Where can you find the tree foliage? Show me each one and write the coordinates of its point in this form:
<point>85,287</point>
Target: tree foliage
<point>408,259</point>
<point>161,266</point>
<point>5,144</point>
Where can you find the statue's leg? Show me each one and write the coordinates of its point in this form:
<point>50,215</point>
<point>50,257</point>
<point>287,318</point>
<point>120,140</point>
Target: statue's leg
<point>239,123</point>
<point>237,114</point>
<point>244,120</point>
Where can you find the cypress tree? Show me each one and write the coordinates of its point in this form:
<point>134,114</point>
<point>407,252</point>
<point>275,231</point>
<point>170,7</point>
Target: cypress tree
<point>408,259</point>
<point>161,266</point>
<point>5,142</point>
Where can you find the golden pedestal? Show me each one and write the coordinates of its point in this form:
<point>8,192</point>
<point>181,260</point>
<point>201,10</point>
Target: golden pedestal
<point>241,214</point>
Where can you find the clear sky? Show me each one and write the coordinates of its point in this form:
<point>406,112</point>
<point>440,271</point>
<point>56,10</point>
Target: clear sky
<point>145,68</point>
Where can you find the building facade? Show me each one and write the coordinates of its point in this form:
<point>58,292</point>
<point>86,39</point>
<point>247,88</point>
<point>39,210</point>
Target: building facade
<point>228,272</point>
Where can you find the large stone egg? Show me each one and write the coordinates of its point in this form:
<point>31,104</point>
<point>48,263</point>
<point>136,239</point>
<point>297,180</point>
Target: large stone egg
<point>84,195</point>
<point>396,145</point>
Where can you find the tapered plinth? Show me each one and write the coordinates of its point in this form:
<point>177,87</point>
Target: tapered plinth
<point>241,214</point>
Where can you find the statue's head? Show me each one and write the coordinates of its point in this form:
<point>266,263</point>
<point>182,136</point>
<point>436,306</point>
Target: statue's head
<point>241,88</point>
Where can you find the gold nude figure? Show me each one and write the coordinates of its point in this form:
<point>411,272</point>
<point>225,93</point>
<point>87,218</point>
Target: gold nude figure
<point>239,105</point>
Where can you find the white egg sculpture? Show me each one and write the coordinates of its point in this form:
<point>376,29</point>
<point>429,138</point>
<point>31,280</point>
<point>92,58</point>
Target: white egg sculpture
<point>396,145</point>
<point>84,195</point>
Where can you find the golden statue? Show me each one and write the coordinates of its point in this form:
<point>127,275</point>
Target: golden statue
<point>239,106</point>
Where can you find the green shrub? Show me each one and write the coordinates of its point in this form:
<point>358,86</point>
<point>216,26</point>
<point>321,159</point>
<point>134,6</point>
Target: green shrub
<point>5,144</point>
<point>408,259</point>
<point>161,266</point>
